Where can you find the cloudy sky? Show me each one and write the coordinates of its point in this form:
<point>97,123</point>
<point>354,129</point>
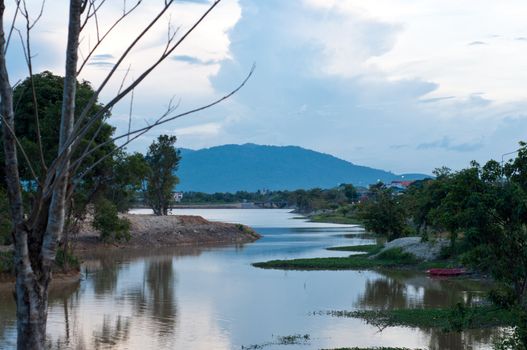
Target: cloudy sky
<point>402,85</point>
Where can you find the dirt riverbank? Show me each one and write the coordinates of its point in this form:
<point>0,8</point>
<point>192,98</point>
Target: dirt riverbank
<point>150,231</point>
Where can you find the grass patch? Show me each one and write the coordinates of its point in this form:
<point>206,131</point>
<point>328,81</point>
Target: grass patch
<point>368,248</point>
<point>295,339</point>
<point>455,319</point>
<point>390,258</point>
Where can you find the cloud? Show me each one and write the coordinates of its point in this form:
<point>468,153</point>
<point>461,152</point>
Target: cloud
<point>447,144</point>
<point>476,43</point>
<point>193,60</point>
<point>103,56</point>
<point>208,129</point>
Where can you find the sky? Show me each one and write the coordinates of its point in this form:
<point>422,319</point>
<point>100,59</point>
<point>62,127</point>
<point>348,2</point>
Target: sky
<point>401,85</point>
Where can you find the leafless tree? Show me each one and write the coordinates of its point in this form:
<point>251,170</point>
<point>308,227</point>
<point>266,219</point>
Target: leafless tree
<point>37,232</point>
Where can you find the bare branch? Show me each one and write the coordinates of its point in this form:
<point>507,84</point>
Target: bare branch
<point>78,130</point>
<point>27,51</point>
<point>100,39</point>
<point>130,113</point>
<point>12,27</point>
<point>21,148</point>
<point>82,130</point>
<point>162,120</point>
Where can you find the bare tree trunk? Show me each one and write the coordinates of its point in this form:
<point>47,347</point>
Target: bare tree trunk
<point>31,299</point>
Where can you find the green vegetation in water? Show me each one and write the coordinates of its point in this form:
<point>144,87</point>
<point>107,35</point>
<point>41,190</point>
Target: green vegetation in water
<point>6,262</point>
<point>376,348</point>
<point>365,248</point>
<point>390,258</point>
<point>454,319</point>
<point>295,339</point>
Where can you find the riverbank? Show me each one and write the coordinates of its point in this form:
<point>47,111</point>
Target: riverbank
<point>150,231</point>
<point>366,257</point>
<point>146,232</point>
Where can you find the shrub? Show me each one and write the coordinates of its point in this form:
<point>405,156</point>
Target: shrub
<point>65,260</point>
<point>108,222</point>
<point>398,255</point>
<point>7,262</point>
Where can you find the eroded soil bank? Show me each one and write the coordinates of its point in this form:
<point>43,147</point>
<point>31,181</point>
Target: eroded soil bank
<point>150,231</point>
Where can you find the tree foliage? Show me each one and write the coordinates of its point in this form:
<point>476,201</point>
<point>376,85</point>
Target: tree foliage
<point>382,213</point>
<point>163,160</point>
<point>108,222</point>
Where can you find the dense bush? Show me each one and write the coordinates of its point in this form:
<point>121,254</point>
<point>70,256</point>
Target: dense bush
<point>7,262</point>
<point>108,222</point>
<point>65,260</point>
<point>5,220</point>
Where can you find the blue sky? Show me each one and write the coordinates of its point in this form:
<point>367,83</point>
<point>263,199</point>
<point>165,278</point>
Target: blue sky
<point>402,85</point>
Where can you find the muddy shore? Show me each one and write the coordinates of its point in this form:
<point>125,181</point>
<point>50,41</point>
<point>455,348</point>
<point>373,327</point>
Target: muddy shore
<point>154,232</point>
<point>150,231</point>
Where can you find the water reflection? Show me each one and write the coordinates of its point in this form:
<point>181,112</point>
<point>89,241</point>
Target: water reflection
<point>157,296</point>
<point>405,289</point>
<point>397,290</point>
<point>212,298</point>
<point>112,332</point>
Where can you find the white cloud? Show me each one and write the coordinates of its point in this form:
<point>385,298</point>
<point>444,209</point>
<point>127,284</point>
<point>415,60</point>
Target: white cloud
<point>207,129</point>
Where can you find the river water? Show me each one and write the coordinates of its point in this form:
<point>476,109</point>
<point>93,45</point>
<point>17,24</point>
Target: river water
<point>214,299</point>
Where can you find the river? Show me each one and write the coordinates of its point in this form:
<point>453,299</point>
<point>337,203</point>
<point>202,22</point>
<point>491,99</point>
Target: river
<point>214,299</point>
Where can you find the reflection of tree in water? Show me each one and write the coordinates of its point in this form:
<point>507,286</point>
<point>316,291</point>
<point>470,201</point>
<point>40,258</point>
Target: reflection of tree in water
<point>409,289</point>
<point>157,297</point>
<point>471,339</point>
<point>394,291</point>
<point>383,293</point>
<point>7,317</point>
<point>105,280</point>
<point>111,333</point>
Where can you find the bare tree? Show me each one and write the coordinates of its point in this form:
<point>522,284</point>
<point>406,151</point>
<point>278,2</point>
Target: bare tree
<point>38,232</point>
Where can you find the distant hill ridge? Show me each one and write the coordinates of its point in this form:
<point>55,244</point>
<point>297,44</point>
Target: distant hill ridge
<point>250,167</point>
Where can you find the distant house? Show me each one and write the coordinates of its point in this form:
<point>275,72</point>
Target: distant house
<point>178,196</point>
<point>399,185</point>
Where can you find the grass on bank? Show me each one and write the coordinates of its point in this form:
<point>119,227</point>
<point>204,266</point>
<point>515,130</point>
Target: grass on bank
<point>388,259</point>
<point>454,319</point>
<point>367,248</point>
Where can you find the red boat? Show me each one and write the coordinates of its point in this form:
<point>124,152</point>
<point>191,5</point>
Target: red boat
<point>447,272</point>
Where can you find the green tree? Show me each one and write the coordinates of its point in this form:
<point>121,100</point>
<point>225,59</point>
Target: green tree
<point>108,222</point>
<point>382,213</point>
<point>49,94</point>
<point>350,192</point>
<point>163,160</point>
<point>129,174</point>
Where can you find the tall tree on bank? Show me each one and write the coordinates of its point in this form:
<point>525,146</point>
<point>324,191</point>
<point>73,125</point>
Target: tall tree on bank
<point>163,160</point>
<point>37,230</point>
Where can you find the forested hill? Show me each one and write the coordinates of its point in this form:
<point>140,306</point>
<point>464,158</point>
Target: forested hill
<point>251,167</point>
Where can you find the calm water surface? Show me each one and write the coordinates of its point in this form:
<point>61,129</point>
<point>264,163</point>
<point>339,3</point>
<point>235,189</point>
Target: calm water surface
<point>214,299</point>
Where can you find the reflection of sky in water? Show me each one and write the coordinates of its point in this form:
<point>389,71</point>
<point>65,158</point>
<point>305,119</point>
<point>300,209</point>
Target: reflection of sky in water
<point>215,299</point>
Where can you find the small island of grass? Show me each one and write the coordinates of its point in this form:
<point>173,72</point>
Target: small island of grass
<point>391,258</point>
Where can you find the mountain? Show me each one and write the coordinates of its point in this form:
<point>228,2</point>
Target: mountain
<point>250,167</point>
